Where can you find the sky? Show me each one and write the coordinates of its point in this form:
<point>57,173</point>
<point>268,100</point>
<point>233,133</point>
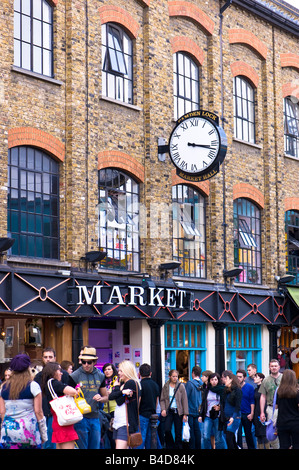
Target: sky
<point>295,3</point>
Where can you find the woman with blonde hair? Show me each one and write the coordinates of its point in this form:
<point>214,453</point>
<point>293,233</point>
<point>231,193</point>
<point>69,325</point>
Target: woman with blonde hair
<point>23,421</point>
<point>126,393</point>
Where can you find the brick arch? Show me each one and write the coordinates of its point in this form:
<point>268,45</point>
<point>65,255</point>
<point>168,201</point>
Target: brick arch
<point>291,204</point>
<point>191,11</point>
<point>115,14</point>
<point>203,186</point>
<point>182,43</point>
<point>245,190</point>
<point>241,68</point>
<point>289,59</point>
<point>243,36</point>
<point>36,138</point>
<point>123,161</point>
<point>291,89</point>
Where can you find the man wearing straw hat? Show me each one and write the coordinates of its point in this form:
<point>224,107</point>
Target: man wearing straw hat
<point>92,384</point>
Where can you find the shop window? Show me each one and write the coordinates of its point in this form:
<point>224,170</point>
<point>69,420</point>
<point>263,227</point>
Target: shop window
<point>185,347</point>
<point>33,203</point>
<point>189,244</point>
<point>33,36</point>
<point>292,244</point>
<point>247,241</point>
<point>119,220</point>
<point>243,347</point>
<point>117,69</point>
<point>33,335</point>
<point>244,116</point>
<point>185,83</point>
<point>291,126</point>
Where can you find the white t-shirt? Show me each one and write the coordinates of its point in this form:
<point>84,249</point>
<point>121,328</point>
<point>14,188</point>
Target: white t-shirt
<point>120,417</point>
<point>20,408</point>
<point>212,399</point>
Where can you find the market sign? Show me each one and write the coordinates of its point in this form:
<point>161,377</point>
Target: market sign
<point>134,295</point>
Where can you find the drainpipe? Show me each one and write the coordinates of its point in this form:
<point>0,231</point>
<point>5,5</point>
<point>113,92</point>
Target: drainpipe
<point>224,225</point>
<point>218,326</point>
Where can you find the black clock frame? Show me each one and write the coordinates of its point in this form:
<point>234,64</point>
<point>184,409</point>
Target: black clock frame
<point>214,168</point>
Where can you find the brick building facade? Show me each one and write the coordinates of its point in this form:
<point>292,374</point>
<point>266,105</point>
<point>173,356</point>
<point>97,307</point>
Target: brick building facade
<point>92,86</point>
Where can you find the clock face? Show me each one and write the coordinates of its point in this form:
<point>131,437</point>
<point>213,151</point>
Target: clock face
<point>194,145</point>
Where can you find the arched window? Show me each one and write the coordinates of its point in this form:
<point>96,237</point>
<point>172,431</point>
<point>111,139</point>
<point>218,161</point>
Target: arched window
<point>33,203</point>
<point>185,84</point>
<point>291,127</point>
<point>247,241</point>
<point>244,118</point>
<point>119,220</point>
<point>189,243</point>
<point>117,68</point>
<point>33,36</point>
<point>292,243</point>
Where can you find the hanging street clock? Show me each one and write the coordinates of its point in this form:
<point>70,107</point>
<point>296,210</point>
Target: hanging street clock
<point>197,145</point>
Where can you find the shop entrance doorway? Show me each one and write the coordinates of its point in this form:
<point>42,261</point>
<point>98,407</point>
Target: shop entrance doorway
<point>100,336</point>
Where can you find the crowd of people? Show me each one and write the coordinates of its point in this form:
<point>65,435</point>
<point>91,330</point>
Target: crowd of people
<point>222,412</point>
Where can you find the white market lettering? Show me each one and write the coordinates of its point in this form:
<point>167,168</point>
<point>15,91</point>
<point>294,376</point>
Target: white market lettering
<point>172,298</point>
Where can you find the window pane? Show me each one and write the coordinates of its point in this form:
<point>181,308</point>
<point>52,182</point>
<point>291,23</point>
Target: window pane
<point>47,12</point>
<point>47,36</point>
<point>37,9</point>
<point>117,65</point>
<point>37,60</point>
<point>244,110</point>
<point>37,32</point>
<point>17,26</point>
<point>186,91</point>
<point>26,55</point>
<point>47,63</point>
<point>26,28</point>
<point>118,225</point>
<point>26,7</point>
<point>17,5</point>
<point>27,193</point>
<point>247,246</point>
<point>17,53</point>
<point>188,233</point>
<point>26,60</point>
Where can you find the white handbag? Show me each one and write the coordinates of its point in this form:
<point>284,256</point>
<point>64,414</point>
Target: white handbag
<point>64,407</point>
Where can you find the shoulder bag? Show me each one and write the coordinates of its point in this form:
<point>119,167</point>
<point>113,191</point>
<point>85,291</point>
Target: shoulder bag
<point>134,439</point>
<point>175,390</point>
<point>64,407</point>
<point>271,430</point>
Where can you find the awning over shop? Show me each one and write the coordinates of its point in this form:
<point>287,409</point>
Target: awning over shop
<point>81,294</point>
<point>294,294</point>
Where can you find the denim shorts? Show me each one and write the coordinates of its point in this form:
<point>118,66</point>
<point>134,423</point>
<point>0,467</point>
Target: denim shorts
<point>120,433</point>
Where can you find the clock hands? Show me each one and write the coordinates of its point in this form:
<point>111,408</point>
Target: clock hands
<point>191,144</point>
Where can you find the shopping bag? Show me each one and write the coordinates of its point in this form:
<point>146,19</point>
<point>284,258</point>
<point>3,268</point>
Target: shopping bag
<point>64,407</point>
<point>81,403</point>
<point>186,432</point>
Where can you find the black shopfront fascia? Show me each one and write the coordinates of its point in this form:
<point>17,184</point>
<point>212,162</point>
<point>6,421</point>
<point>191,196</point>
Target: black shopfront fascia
<point>85,295</point>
